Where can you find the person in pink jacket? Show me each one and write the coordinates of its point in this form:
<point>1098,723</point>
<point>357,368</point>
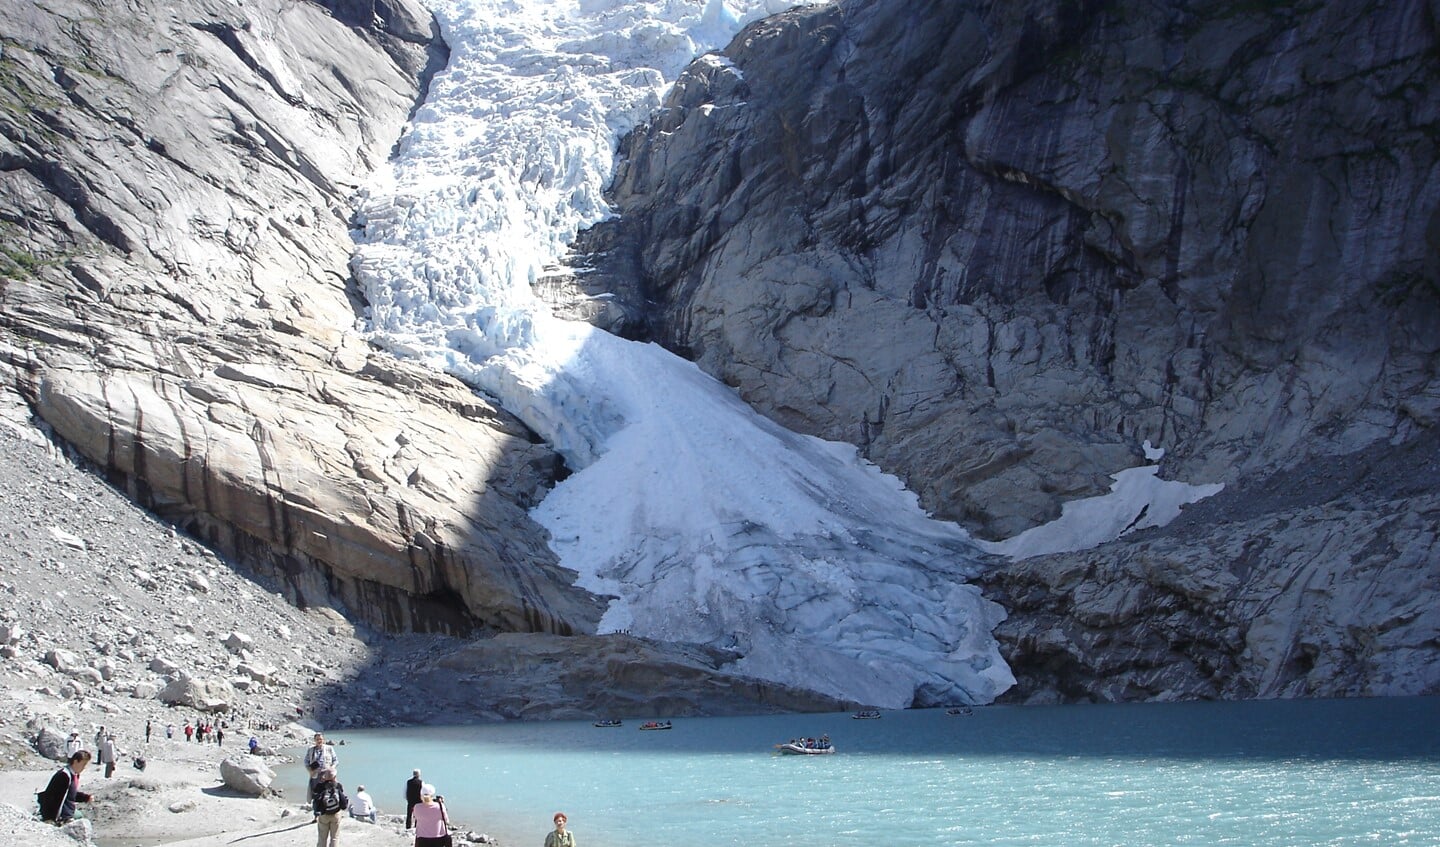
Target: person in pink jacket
<point>432,826</point>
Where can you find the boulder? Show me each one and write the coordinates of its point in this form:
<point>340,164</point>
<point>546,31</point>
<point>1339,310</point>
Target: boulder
<point>50,743</point>
<point>263,674</point>
<point>207,695</point>
<point>61,660</point>
<point>164,666</point>
<point>237,642</point>
<point>247,774</point>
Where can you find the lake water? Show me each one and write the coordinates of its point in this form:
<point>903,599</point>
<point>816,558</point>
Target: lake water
<point>1327,772</point>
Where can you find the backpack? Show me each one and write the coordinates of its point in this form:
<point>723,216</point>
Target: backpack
<point>331,798</point>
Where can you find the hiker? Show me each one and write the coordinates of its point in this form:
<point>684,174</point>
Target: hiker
<point>328,800</point>
<point>57,801</point>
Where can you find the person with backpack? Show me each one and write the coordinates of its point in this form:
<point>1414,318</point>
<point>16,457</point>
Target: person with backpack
<point>329,801</point>
<point>57,801</point>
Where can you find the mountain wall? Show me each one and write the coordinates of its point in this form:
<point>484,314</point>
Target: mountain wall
<point>175,183</point>
<point>996,245</point>
<point>176,306</point>
<point>1000,245</point>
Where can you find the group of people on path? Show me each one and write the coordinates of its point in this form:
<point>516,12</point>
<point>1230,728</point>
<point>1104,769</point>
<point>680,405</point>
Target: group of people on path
<point>424,808</point>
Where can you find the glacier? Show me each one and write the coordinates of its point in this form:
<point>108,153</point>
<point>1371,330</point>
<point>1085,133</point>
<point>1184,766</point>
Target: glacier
<point>704,521</point>
<point>701,520</point>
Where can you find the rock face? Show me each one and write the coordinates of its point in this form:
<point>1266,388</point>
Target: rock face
<point>999,245</point>
<point>1317,582</point>
<point>175,304</point>
<point>996,244</point>
<point>543,677</point>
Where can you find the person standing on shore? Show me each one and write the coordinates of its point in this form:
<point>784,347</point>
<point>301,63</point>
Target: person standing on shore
<point>412,796</point>
<point>432,825</point>
<point>57,801</point>
<point>319,757</point>
<point>107,755</point>
<point>328,800</point>
<point>560,836</point>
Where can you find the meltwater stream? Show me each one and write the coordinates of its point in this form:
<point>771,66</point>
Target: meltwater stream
<point>1334,772</point>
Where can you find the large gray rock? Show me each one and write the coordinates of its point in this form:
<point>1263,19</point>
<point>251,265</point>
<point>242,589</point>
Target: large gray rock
<point>50,743</point>
<point>206,695</point>
<point>247,775</point>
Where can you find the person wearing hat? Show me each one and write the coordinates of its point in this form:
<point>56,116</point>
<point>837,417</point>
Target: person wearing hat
<point>560,837</point>
<point>432,825</point>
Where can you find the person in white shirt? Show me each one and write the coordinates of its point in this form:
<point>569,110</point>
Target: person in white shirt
<point>362,805</point>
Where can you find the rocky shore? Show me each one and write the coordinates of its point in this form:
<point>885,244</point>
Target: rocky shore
<point>111,618</point>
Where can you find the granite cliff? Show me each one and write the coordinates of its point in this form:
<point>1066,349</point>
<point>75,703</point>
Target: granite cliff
<point>996,245</point>
<point>1001,245</point>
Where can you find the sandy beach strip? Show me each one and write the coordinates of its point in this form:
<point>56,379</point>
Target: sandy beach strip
<point>181,803</point>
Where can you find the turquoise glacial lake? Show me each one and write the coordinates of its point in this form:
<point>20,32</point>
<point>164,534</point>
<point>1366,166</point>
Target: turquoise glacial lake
<point>1282,773</point>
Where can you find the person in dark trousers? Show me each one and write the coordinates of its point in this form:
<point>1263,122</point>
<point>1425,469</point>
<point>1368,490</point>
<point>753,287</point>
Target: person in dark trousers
<point>57,801</point>
<point>412,796</point>
<point>147,731</point>
<point>319,757</point>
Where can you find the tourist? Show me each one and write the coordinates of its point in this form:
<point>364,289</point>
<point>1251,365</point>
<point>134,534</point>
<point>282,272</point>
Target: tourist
<point>254,746</point>
<point>432,827</point>
<point>57,801</point>
<point>363,806</point>
<point>169,730</point>
<point>327,801</point>
<point>319,757</point>
<point>72,744</point>
<point>561,837</point>
<point>107,755</point>
<point>189,732</point>
<point>412,796</point>
<point>147,730</point>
